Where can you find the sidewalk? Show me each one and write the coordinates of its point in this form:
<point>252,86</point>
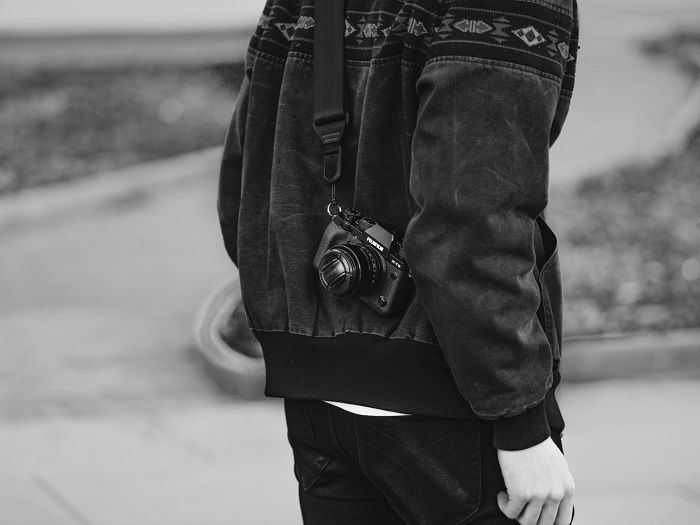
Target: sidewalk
<point>201,461</point>
<point>107,416</point>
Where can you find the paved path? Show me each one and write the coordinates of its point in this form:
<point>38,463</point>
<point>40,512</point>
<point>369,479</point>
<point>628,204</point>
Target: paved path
<point>96,301</point>
<point>623,100</point>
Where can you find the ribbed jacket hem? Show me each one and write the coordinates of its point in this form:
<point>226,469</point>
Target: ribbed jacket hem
<point>400,375</point>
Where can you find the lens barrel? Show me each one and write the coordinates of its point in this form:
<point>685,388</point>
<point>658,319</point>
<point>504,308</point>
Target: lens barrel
<point>348,270</point>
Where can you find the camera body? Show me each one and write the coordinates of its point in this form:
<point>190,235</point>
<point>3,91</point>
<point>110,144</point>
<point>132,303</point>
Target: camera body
<point>359,258</point>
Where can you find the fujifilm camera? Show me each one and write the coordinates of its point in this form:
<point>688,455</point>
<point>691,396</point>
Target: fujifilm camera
<point>359,258</point>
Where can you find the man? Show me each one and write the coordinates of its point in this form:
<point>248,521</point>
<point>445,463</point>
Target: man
<point>453,106</point>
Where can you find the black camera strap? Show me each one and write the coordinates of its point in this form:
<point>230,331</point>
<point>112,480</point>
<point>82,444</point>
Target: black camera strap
<point>330,117</point>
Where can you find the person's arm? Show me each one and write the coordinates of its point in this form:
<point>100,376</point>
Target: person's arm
<point>479,178</point>
<point>228,201</point>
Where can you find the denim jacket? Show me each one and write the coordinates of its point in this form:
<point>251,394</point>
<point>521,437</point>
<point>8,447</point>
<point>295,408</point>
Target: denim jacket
<point>453,107</point>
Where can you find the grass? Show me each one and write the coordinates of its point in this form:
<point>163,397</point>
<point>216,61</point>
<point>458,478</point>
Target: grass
<point>81,105</point>
<point>630,248</point>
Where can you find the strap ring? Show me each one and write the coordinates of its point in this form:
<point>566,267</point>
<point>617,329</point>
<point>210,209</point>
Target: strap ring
<point>337,207</point>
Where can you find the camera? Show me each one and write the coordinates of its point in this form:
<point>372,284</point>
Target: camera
<point>359,258</point>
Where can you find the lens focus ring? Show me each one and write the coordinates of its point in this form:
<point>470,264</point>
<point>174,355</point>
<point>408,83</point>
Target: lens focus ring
<point>348,270</point>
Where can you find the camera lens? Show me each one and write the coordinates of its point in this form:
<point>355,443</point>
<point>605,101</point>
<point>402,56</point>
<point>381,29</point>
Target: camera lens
<point>348,270</point>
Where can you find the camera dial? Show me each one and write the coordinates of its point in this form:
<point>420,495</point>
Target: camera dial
<point>348,270</point>
<point>352,214</point>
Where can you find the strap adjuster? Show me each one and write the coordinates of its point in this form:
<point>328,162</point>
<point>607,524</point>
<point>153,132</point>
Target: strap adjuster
<point>330,134</point>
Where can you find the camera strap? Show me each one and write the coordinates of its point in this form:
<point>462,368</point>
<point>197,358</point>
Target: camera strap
<point>330,117</point>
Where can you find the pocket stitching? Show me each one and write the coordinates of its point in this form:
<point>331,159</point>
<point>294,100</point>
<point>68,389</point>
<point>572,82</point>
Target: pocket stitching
<point>315,444</point>
<point>301,467</point>
<point>308,483</point>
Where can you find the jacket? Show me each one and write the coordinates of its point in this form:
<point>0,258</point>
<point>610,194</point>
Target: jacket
<point>453,107</point>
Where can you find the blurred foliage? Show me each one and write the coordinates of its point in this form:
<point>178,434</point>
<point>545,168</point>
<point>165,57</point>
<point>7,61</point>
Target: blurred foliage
<point>630,247</point>
<point>65,120</point>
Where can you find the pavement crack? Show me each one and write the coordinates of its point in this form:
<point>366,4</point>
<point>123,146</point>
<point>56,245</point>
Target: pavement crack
<point>60,500</point>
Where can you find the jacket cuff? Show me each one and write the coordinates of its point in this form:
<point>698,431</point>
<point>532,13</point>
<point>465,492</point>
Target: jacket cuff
<point>525,430</point>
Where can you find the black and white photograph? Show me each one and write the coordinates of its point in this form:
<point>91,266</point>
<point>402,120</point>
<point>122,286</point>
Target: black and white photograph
<point>350,262</point>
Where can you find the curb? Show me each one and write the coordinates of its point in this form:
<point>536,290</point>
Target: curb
<point>83,194</point>
<point>621,356</point>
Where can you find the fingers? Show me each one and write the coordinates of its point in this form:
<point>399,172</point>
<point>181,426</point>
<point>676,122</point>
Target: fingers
<point>531,514</point>
<point>565,514</point>
<point>549,513</point>
<point>537,511</point>
<point>510,507</point>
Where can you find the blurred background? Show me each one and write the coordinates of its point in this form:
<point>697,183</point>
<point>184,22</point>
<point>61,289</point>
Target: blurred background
<point>112,117</point>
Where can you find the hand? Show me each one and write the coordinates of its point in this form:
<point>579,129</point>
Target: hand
<point>539,484</point>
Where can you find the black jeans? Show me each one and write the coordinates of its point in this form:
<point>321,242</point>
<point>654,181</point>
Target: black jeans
<point>387,470</point>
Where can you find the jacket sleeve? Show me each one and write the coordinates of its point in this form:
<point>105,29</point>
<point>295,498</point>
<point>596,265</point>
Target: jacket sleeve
<point>479,179</point>
<point>229,193</point>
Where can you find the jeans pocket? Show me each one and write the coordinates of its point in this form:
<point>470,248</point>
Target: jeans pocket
<point>309,460</point>
<point>428,468</point>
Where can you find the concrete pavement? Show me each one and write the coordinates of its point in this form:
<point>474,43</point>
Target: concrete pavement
<point>632,447</point>
<point>630,444</point>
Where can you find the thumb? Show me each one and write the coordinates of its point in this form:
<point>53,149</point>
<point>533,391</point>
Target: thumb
<point>502,498</point>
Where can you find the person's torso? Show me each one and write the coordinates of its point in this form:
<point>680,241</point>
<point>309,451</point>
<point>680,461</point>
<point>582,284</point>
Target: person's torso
<point>283,196</point>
